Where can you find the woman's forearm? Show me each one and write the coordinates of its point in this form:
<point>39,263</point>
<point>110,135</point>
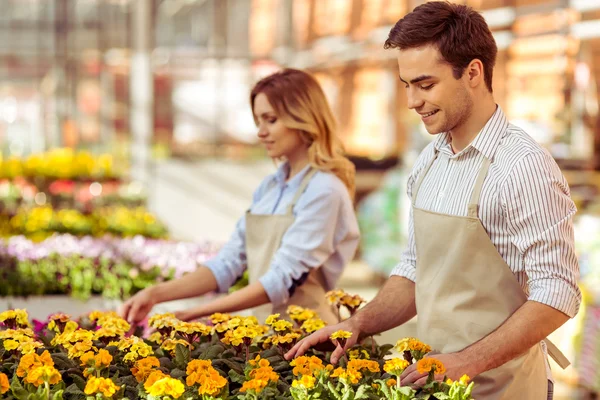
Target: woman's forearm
<point>253,295</point>
<point>194,284</point>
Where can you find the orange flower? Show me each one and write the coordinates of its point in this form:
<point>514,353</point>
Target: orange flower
<point>4,384</point>
<point>430,364</point>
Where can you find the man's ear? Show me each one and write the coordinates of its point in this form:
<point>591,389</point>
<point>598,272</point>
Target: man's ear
<point>475,73</point>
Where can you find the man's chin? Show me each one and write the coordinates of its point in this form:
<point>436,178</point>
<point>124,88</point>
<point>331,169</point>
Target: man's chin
<point>433,130</point>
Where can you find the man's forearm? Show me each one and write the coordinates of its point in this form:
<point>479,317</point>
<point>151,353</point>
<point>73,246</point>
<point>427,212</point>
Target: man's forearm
<point>529,325</point>
<point>194,284</point>
<point>393,306</point>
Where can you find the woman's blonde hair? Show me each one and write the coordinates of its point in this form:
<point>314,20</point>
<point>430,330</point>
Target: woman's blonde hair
<point>300,103</point>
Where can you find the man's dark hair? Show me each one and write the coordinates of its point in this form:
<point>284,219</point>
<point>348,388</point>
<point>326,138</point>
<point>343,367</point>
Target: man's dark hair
<point>459,33</point>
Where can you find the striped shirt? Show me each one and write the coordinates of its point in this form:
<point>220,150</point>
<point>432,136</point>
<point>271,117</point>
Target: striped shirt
<point>525,207</point>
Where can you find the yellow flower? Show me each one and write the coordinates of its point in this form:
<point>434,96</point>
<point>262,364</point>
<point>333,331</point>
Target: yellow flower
<point>11,345</point>
<point>4,384</point>
<point>395,366</point>
<point>156,337</point>
<point>217,318</point>
<point>166,320</point>
<point>100,385</point>
<point>86,358</point>
<point>154,377</point>
<point>264,373</point>
<point>144,367</point>
<point>32,361</point>
<point>306,382</point>
<point>45,373</point>
<point>334,296</point>
<point>391,382</point>
<point>428,364</point>
<point>357,353</point>
<point>255,385</point>
<point>464,380</point>
<point>103,359</point>
<point>167,386</point>
<point>412,344</point>
<point>359,365</point>
<point>313,324</point>
<point>212,385</point>
<point>282,325</point>
<point>29,347</point>
<point>80,348</point>
<point>271,319</point>
<point>287,338</point>
<point>17,317</point>
<point>340,335</point>
<point>304,365</point>
<point>349,375</point>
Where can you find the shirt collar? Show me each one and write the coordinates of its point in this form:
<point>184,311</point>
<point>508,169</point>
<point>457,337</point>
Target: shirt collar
<point>283,171</point>
<point>486,141</point>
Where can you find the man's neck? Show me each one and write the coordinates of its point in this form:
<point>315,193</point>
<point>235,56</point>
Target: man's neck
<point>465,134</point>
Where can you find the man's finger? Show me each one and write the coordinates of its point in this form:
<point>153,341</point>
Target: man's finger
<point>413,377</point>
<point>407,371</point>
<point>302,346</point>
<point>421,382</point>
<point>336,355</point>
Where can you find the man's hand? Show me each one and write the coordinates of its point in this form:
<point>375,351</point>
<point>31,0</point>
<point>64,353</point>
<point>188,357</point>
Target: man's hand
<point>322,336</point>
<point>456,366</point>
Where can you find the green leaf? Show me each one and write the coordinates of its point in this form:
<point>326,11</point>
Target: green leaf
<point>213,352</point>
<point>234,366</point>
<point>58,395</point>
<point>182,356</point>
<point>333,391</point>
<point>79,381</point>
<point>348,395</point>
<point>177,373</point>
<point>63,362</point>
<point>362,392</point>
<point>74,390</point>
<point>385,350</point>
<point>235,377</point>
<point>17,389</point>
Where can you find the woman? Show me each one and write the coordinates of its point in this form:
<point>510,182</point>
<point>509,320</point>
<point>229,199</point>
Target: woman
<point>300,230</point>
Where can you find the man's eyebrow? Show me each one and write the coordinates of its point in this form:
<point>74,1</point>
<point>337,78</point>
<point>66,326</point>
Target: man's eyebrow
<point>418,79</point>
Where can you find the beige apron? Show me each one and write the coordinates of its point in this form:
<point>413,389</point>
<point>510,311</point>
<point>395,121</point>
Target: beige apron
<point>263,238</point>
<point>465,290</point>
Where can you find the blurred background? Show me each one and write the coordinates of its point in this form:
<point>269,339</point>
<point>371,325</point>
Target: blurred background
<point>126,133</point>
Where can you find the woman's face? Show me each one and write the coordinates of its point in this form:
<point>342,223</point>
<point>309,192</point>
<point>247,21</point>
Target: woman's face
<point>279,140</point>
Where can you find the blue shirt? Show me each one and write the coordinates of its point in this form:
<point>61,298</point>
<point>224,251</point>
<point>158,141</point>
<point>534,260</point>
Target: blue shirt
<point>324,234</point>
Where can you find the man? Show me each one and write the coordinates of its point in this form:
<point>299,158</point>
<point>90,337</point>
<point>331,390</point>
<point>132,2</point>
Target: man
<point>490,266</point>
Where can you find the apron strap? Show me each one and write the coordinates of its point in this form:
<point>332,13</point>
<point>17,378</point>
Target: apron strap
<point>301,189</point>
<point>556,354</point>
<point>476,194</point>
<point>420,179</point>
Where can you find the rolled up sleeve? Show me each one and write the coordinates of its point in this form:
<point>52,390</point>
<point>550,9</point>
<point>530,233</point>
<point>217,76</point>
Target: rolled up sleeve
<point>308,243</point>
<point>539,214</point>
<point>407,267</point>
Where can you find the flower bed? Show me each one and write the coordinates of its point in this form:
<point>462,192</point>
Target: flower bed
<point>222,357</point>
<point>39,223</point>
<point>80,267</point>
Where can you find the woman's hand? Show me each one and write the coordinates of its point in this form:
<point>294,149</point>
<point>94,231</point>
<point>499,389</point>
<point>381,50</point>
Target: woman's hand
<point>137,307</point>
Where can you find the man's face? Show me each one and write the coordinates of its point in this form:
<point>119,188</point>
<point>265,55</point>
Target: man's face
<point>443,102</point>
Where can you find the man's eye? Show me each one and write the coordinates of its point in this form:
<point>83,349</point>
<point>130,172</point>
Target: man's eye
<point>427,87</point>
